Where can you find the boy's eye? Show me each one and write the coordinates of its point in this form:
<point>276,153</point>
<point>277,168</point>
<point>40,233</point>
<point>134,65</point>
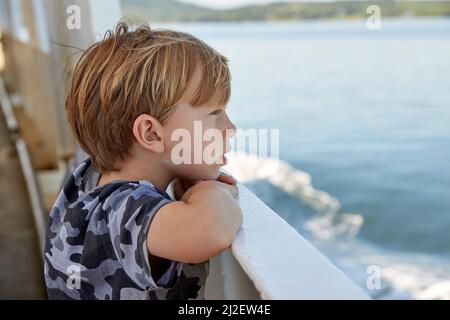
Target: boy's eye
<point>216,112</point>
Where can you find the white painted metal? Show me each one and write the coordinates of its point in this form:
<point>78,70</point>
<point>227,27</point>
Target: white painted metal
<point>27,168</point>
<point>40,19</point>
<point>7,109</point>
<point>5,19</point>
<point>277,260</point>
<point>19,27</point>
<point>105,14</point>
<point>34,193</point>
<point>227,280</point>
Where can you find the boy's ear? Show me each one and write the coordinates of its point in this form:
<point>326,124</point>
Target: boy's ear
<point>148,133</point>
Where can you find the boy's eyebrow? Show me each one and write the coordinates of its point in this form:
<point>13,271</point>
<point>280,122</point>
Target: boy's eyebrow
<point>215,107</point>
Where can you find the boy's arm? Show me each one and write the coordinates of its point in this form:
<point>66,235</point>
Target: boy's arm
<point>197,228</point>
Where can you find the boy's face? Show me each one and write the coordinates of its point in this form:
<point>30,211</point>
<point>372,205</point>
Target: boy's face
<point>197,138</point>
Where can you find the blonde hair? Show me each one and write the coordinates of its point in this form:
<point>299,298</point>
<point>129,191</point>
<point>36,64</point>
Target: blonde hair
<point>130,73</point>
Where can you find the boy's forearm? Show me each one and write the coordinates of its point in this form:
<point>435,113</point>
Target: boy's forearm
<point>200,226</point>
<point>223,216</point>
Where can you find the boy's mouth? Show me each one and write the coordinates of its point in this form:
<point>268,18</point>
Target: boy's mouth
<point>224,159</point>
<point>221,161</point>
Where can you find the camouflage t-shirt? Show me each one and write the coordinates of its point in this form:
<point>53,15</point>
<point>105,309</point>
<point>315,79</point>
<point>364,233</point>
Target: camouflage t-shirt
<point>96,243</point>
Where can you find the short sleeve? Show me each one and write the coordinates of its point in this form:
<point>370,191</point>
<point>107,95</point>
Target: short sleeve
<point>129,223</point>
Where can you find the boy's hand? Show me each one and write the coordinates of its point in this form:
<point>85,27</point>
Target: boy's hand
<point>181,186</point>
<point>200,225</point>
<point>225,178</point>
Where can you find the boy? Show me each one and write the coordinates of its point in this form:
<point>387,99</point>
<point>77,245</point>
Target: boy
<point>114,233</point>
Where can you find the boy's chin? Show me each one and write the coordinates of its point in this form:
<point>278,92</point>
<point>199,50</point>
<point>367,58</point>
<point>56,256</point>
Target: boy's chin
<point>212,173</point>
<point>204,172</point>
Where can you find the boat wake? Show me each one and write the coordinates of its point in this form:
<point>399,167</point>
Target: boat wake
<point>335,233</point>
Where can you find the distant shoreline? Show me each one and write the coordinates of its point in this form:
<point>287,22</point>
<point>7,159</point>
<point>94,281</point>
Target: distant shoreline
<point>173,11</point>
<point>319,20</point>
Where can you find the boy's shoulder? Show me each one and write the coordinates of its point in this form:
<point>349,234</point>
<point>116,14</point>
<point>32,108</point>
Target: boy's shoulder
<point>81,185</point>
<point>81,202</point>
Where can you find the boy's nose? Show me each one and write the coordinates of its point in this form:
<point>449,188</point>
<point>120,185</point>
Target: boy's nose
<point>230,128</point>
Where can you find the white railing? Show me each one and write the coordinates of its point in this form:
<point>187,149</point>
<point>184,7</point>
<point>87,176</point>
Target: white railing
<point>271,260</point>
